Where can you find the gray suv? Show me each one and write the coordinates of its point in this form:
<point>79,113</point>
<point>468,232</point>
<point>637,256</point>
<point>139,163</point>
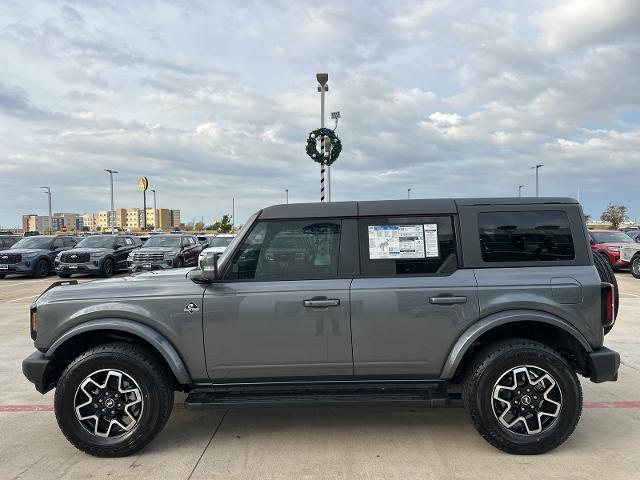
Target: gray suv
<point>34,255</point>
<point>99,255</point>
<point>165,251</point>
<point>495,302</point>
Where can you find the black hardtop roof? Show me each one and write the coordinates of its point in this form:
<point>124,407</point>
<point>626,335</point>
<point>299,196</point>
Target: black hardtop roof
<point>427,206</point>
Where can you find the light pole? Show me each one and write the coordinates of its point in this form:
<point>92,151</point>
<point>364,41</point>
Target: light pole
<point>520,190</point>
<point>286,191</point>
<point>408,193</point>
<point>155,211</point>
<point>323,78</point>
<point>113,211</point>
<point>47,190</point>
<point>233,213</point>
<point>537,167</point>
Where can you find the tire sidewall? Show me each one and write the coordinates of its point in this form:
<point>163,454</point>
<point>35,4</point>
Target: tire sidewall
<point>37,268</point>
<point>179,263</point>
<point>65,411</point>
<point>571,400</point>
<point>635,266</point>
<point>107,262</point>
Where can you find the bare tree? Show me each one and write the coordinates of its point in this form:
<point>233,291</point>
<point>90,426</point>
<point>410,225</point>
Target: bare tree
<point>615,214</point>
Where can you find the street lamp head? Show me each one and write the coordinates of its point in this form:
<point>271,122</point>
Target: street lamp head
<point>110,171</point>
<point>335,115</point>
<point>322,78</point>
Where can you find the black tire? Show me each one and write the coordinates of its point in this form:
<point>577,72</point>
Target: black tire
<point>107,268</point>
<point>64,275</point>
<point>493,364</point>
<point>606,275</point>
<point>149,374</point>
<point>178,262</point>
<point>2,275</point>
<point>41,269</point>
<point>634,266</point>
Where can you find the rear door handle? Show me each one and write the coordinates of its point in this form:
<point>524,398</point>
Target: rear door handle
<point>321,302</point>
<point>447,300</point>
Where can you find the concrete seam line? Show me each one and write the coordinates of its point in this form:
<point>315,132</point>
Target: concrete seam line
<point>208,443</point>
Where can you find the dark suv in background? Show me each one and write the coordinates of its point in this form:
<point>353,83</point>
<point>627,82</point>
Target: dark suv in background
<point>165,251</point>
<point>7,241</point>
<point>35,255</point>
<point>100,254</point>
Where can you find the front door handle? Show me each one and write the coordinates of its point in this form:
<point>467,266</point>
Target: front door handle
<point>321,302</point>
<point>447,300</point>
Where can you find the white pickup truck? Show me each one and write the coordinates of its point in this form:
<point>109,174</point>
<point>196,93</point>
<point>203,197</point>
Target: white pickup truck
<point>631,253</point>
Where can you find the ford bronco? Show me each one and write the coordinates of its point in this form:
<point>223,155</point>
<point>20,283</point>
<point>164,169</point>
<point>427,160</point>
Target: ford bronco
<point>497,303</point>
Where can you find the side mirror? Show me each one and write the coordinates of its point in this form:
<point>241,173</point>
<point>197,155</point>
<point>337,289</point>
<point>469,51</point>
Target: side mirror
<point>209,266</point>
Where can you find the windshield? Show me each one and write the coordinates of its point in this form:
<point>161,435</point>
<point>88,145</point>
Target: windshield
<point>611,237</point>
<point>220,241</point>
<point>96,242</point>
<point>163,241</point>
<point>34,242</point>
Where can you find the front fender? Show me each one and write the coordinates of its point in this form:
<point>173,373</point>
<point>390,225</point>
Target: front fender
<point>501,318</point>
<point>159,342</point>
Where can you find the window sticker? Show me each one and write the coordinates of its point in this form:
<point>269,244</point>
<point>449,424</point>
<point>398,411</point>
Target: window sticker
<point>396,241</point>
<point>431,240</point>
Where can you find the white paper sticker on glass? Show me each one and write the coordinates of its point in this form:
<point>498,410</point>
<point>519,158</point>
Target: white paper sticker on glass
<point>396,241</point>
<point>431,240</point>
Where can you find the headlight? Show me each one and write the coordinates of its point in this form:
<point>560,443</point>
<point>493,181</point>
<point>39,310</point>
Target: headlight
<point>169,255</point>
<point>97,254</point>
<point>614,249</point>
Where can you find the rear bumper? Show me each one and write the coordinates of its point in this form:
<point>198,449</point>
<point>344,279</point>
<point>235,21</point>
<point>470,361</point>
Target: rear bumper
<point>604,365</point>
<point>36,367</point>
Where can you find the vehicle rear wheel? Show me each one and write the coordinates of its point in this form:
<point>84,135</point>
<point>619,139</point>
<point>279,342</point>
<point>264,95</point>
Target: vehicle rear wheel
<point>178,263</point>
<point>606,275</point>
<point>635,266</point>
<point>523,397</point>
<point>113,399</point>
<point>64,275</point>
<point>41,269</point>
<point>2,275</point>
<point>107,268</point>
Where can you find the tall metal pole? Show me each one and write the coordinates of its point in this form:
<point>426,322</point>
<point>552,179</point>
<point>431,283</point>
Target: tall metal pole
<point>113,211</point>
<point>323,78</point>
<point>537,167</point>
<point>286,190</point>
<point>520,190</point>
<point>233,212</point>
<point>155,211</point>
<point>47,190</point>
<point>144,210</point>
<point>408,193</point>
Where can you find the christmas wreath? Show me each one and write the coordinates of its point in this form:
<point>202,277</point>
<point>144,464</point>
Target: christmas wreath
<point>332,148</point>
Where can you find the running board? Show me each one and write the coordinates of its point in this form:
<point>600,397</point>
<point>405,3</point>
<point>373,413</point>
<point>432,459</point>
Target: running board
<point>329,395</point>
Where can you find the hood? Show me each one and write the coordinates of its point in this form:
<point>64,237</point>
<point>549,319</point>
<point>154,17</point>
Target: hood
<point>157,249</point>
<point>88,250</point>
<point>25,250</point>
<point>620,245</point>
<point>157,283</point>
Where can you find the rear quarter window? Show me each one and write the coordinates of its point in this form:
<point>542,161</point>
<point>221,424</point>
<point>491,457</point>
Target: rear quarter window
<point>525,236</point>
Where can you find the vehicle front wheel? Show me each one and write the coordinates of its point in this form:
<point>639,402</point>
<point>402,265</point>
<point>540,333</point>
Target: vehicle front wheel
<point>107,268</point>
<point>41,269</point>
<point>113,399</point>
<point>635,266</point>
<point>178,263</point>
<point>64,275</point>
<point>523,397</point>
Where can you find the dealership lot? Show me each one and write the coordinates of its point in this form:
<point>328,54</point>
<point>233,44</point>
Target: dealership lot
<point>308,442</point>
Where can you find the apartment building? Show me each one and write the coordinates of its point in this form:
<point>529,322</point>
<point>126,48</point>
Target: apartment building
<point>60,221</point>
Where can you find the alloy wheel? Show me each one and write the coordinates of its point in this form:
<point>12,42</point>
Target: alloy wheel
<point>108,403</point>
<point>526,400</point>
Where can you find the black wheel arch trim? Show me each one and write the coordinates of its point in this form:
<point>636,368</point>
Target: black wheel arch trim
<point>163,346</point>
<point>484,325</point>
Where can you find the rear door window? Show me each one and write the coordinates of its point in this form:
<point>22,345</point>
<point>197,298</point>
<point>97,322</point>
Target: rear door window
<point>391,246</point>
<point>525,236</point>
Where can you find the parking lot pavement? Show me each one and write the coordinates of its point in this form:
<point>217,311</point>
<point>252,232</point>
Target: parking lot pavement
<point>311,442</point>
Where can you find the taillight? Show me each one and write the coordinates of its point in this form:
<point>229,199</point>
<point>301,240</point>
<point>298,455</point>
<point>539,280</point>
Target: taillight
<point>607,304</point>
<point>33,324</point>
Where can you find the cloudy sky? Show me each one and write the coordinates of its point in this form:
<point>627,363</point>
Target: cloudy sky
<point>213,100</point>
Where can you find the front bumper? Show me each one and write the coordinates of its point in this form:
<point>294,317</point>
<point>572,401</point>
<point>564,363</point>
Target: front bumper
<point>133,267</point>
<point>22,267</point>
<point>88,267</point>
<point>604,364</point>
<point>37,368</point>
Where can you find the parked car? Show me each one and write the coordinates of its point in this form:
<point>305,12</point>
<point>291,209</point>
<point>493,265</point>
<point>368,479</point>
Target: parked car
<point>100,255</point>
<point>217,244</point>
<point>7,241</point>
<point>165,251</point>
<point>34,255</point>
<point>31,233</point>
<point>634,235</point>
<point>499,302</point>
<point>608,244</point>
